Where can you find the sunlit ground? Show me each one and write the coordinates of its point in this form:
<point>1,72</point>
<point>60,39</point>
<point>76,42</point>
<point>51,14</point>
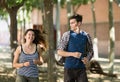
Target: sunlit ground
<point>6,69</point>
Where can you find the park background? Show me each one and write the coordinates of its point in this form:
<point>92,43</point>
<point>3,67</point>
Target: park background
<point>96,21</point>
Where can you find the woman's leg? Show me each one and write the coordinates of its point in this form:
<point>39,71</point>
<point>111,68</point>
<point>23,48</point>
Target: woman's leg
<point>33,79</point>
<point>20,78</point>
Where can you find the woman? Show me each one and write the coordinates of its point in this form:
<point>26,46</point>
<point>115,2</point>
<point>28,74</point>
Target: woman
<point>28,55</point>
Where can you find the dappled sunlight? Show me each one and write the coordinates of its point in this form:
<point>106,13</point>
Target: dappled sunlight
<point>102,23</point>
<point>6,64</point>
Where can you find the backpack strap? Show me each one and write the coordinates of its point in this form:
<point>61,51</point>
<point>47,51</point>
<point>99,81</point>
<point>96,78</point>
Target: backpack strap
<point>21,48</point>
<point>36,48</point>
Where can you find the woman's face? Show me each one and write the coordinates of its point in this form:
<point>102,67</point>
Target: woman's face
<point>30,36</point>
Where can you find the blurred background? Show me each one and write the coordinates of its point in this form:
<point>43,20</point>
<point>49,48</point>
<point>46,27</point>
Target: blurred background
<point>101,19</point>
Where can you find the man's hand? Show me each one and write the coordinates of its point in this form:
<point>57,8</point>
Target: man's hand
<point>85,60</point>
<point>76,54</point>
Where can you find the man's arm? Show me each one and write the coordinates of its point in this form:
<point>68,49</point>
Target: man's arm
<point>89,48</point>
<point>67,54</point>
<point>61,49</point>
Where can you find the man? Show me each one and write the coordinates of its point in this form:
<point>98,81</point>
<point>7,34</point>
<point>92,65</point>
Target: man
<point>76,46</point>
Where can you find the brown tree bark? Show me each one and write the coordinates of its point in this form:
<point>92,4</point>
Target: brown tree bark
<point>13,28</point>
<point>48,6</point>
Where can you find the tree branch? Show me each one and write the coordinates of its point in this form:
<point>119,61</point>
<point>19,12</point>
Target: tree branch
<point>3,4</point>
<point>16,7</point>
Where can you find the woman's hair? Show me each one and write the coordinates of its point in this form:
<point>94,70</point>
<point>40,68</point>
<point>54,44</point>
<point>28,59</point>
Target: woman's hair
<point>39,37</point>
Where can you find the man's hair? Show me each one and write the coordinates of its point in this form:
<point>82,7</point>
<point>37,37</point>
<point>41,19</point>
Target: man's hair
<point>78,17</point>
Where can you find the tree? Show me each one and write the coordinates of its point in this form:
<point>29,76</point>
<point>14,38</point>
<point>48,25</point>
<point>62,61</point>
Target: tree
<point>12,10</point>
<point>12,7</point>
<point>95,42</point>
<point>58,6</point>
<point>77,3</point>
<point>71,5</point>
<point>117,2</point>
<point>112,37</point>
<point>48,6</point>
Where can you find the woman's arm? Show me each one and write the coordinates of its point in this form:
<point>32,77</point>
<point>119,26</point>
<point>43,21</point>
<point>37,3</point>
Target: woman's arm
<point>16,57</point>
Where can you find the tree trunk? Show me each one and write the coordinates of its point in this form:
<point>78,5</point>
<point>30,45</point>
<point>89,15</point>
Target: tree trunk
<point>112,37</point>
<point>95,42</point>
<point>58,20</point>
<point>69,13</point>
<point>48,5</point>
<point>13,28</point>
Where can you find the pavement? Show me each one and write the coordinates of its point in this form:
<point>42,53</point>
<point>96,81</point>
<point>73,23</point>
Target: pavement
<point>5,58</point>
<point>6,63</point>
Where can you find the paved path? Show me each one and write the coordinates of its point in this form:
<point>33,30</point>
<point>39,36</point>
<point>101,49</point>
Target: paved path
<point>6,62</point>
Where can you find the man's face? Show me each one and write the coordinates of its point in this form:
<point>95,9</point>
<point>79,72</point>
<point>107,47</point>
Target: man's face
<point>74,24</point>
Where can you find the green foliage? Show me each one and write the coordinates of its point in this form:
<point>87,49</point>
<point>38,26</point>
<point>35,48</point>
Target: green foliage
<point>12,3</point>
<point>36,4</point>
<point>28,6</point>
<point>117,1</point>
<point>62,2</point>
<point>79,2</point>
<point>74,2</point>
<point>28,3</point>
<point>3,14</point>
<point>92,1</point>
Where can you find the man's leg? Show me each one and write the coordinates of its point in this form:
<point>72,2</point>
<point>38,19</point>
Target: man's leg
<point>82,76</point>
<point>68,75</point>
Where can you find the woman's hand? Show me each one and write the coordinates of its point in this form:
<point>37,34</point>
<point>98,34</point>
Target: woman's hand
<point>26,64</point>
